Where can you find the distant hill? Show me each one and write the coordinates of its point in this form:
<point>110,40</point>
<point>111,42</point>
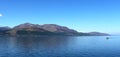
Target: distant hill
<point>46,29</point>
<point>98,34</point>
<point>4,30</point>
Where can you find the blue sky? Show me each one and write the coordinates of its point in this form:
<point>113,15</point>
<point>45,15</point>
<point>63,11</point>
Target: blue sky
<point>81,15</point>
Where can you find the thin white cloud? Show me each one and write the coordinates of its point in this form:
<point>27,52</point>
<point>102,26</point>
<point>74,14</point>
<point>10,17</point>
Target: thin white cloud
<point>1,15</point>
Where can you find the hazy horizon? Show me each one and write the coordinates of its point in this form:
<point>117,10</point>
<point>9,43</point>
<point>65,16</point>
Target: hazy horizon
<point>81,15</point>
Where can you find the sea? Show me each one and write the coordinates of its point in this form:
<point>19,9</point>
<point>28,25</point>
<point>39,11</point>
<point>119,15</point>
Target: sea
<point>60,46</point>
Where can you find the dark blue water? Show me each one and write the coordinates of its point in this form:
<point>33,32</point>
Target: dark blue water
<point>60,46</point>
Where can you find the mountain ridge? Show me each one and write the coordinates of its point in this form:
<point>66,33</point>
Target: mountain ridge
<point>45,29</point>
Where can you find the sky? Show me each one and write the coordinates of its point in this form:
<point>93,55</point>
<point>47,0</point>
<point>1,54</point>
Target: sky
<point>81,15</point>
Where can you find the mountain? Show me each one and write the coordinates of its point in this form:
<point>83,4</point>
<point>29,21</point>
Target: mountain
<point>46,29</point>
<point>27,25</point>
<point>4,30</point>
<point>98,34</point>
<point>58,29</point>
<point>28,28</point>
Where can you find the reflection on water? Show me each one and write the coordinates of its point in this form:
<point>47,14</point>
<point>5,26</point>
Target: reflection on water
<point>43,41</point>
<point>59,46</point>
<point>32,44</point>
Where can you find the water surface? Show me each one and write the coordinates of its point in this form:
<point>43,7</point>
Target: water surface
<point>60,46</point>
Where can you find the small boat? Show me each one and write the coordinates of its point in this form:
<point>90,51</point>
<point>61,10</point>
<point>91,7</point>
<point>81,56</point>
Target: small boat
<point>107,37</point>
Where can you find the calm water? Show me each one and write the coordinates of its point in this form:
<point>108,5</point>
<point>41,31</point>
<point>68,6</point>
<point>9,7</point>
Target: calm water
<point>60,46</point>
